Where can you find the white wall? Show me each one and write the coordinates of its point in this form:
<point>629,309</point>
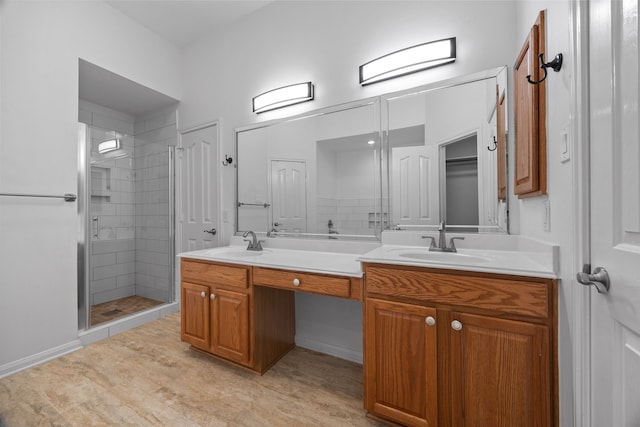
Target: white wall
<point>40,44</point>
<point>559,175</point>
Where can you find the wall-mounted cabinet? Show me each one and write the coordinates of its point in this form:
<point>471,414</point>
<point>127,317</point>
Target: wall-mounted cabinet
<point>530,116</point>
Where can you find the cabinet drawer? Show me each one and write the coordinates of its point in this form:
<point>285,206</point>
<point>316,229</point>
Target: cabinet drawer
<point>214,274</point>
<point>306,282</point>
<point>504,295</point>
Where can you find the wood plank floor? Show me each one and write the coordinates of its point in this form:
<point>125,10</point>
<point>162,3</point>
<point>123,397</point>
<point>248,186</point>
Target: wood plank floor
<point>148,377</point>
<point>112,310</point>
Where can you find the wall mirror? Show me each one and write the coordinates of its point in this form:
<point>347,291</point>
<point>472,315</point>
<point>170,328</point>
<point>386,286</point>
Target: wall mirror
<point>445,148</point>
<point>401,161</point>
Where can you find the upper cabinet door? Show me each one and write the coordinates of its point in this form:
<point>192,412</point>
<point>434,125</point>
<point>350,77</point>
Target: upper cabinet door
<point>530,115</point>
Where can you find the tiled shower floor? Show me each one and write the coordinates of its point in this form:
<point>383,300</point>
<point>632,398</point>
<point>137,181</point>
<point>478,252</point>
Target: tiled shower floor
<point>111,310</point>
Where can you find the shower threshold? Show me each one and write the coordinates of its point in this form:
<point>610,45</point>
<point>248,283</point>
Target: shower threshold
<point>116,309</point>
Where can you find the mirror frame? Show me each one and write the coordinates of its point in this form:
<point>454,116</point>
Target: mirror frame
<point>382,150</point>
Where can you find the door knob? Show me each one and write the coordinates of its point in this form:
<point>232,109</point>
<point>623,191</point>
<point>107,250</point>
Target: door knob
<point>599,278</point>
<point>212,231</point>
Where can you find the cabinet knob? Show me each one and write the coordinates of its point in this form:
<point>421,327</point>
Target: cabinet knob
<point>456,325</point>
<point>203,294</point>
<point>296,282</point>
<point>430,320</point>
<point>212,296</point>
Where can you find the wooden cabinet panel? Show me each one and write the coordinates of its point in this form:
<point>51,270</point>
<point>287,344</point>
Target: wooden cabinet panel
<point>306,282</point>
<point>194,315</point>
<point>530,117</point>
<point>230,325</point>
<point>500,373</point>
<point>400,362</point>
<point>501,295</point>
<point>214,274</point>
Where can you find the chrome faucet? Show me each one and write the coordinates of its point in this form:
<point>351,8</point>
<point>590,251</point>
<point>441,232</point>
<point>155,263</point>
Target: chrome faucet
<point>442,240</point>
<point>254,243</point>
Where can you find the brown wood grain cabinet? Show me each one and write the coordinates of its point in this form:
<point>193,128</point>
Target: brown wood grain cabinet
<point>490,339</point>
<point>224,316</point>
<point>530,116</point>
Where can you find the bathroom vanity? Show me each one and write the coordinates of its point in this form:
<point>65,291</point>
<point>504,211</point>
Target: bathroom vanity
<point>442,346</point>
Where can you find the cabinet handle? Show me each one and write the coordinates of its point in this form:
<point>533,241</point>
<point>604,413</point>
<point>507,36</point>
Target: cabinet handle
<point>212,296</point>
<point>296,282</point>
<point>456,325</point>
<point>430,320</point>
<point>203,294</point>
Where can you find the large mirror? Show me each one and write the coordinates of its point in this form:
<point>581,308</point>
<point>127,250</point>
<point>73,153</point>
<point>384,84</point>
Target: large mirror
<point>446,154</point>
<point>406,160</point>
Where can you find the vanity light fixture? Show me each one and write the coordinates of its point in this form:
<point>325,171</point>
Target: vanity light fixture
<point>108,145</point>
<point>409,60</point>
<point>283,97</point>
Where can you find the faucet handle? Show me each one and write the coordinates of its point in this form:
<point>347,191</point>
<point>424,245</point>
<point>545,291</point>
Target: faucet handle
<point>452,244</point>
<point>443,226</point>
<point>433,241</point>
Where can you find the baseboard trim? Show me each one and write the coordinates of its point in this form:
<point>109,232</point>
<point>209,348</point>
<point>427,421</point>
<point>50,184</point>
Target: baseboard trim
<point>321,347</point>
<point>39,358</point>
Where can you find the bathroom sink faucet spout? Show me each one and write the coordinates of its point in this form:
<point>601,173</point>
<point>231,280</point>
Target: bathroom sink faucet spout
<point>254,243</point>
<point>442,240</point>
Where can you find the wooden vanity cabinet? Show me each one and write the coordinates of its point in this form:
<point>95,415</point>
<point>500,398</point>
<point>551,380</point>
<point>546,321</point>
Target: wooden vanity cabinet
<point>223,315</point>
<point>215,312</point>
<point>400,369</point>
<point>489,338</point>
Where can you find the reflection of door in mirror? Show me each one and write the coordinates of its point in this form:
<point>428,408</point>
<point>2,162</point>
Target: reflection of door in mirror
<point>414,177</point>
<point>459,182</point>
<point>289,195</point>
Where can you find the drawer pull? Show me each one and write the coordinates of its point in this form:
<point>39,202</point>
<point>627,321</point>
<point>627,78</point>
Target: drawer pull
<point>296,282</point>
<point>456,325</point>
<point>203,294</point>
<point>430,320</point>
<point>212,296</point>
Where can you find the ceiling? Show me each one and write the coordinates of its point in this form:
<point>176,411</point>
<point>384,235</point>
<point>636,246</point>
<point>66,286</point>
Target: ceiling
<point>183,21</point>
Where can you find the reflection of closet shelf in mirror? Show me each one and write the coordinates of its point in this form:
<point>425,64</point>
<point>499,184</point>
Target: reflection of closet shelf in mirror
<point>264,205</point>
<point>463,159</point>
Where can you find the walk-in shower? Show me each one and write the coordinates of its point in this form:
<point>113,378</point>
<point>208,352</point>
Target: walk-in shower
<point>126,221</point>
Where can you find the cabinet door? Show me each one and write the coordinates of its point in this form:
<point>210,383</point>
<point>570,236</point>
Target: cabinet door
<point>194,315</point>
<point>400,362</point>
<point>500,372</point>
<point>230,325</point>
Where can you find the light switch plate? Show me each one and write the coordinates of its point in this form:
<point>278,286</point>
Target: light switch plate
<point>565,146</point>
<point>546,216</point>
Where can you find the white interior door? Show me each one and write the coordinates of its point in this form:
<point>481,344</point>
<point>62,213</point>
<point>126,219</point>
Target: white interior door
<point>615,212</point>
<point>199,189</point>
<point>415,185</point>
<point>289,195</point>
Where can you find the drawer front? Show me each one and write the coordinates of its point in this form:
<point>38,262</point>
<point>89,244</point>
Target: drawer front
<point>214,274</point>
<point>306,282</point>
<point>504,295</point>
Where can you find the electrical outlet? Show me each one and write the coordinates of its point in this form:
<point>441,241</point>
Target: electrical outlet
<point>546,216</point>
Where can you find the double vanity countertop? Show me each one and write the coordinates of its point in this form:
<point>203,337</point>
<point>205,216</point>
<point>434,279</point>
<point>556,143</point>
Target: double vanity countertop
<point>513,255</point>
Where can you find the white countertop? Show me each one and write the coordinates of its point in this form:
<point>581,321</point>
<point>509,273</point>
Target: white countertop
<point>338,263</point>
<point>532,264</point>
<point>506,254</point>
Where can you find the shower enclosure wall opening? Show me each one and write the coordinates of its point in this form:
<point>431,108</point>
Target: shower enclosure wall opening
<point>126,200</point>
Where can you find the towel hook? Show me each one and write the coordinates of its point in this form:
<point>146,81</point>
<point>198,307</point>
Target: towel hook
<point>555,65</point>
<point>227,160</point>
<point>495,144</point>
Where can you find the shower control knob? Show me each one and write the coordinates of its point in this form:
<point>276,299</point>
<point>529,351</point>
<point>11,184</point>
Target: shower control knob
<point>456,325</point>
<point>296,282</point>
<point>203,294</point>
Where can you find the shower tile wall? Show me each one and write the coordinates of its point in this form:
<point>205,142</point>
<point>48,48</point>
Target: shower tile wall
<point>153,134</point>
<point>112,212</point>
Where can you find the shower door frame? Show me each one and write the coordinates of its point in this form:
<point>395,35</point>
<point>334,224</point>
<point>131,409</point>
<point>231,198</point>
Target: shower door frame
<point>84,231</point>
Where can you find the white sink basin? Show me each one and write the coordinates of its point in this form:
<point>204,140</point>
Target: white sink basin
<point>443,257</point>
